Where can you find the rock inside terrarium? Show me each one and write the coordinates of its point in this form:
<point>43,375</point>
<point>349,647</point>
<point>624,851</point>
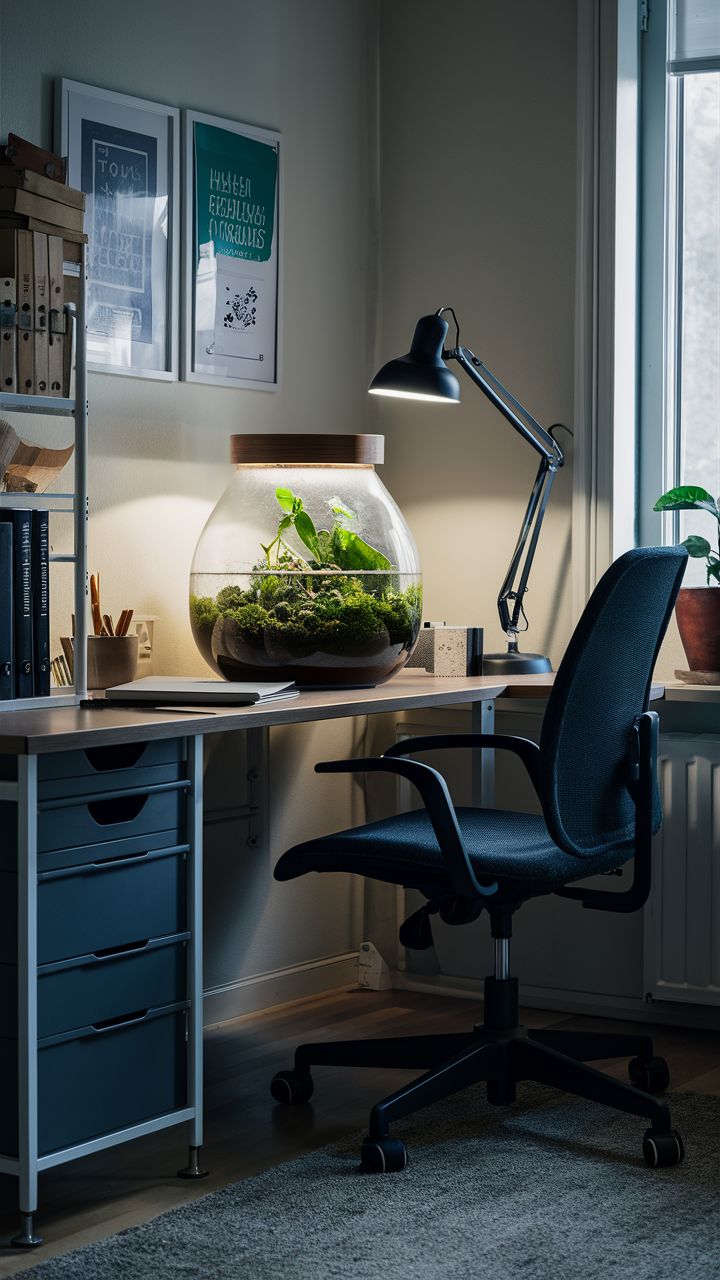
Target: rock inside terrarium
<point>320,604</point>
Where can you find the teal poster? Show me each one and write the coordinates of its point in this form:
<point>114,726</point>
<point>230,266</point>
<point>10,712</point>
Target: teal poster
<point>235,187</point>
<point>235,254</point>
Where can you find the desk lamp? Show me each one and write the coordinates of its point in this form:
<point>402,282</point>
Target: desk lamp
<point>423,375</point>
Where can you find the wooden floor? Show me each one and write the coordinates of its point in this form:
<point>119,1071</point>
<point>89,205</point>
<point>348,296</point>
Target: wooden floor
<point>246,1133</point>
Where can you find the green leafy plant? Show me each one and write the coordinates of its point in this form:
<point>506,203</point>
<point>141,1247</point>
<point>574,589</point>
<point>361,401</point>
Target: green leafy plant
<point>341,597</point>
<point>338,547</point>
<point>690,497</point>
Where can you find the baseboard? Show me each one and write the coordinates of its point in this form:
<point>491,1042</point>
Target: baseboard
<point>263,990</point>
<point>665,1013</point>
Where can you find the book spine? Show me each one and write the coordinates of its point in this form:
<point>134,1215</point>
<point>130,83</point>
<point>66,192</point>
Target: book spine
<point>7,680</point>
<point>41,603</point>
<point>22,599</point>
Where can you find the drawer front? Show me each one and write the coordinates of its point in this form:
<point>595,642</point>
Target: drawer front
<point>88,989</point>
<point>104,905</point>
<point>93,820</point>
<point>86,787</point>
<point>106,761</point>
<point>110,817</point>
<point>100,1079</point>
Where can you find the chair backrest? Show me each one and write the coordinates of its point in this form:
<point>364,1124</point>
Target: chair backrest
<point>602,684</point>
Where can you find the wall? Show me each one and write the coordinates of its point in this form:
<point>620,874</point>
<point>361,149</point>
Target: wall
<point>478,212</point>
<point>159,453</point>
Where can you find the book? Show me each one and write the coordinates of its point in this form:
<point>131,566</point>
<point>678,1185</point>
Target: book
<point>7,686</point>
<point>39,185</point>
<point>8,313</point>
<point>56,317</point>
<point>40,312</point>
<point>50,228</point>
<point>161,691</point>
<point>21,521</point>
<point>16,200</point>
<point>25,312</point>
<point>40,578</point>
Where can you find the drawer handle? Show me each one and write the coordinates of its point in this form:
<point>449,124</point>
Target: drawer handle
<point>111,812</point>
<point>129,947</point>
<point>123,756</point>
<point>111,1023</point>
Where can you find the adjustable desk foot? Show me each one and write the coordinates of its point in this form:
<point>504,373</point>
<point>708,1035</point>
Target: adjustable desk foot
<point>26,1238</point>
<point>193,1169</point>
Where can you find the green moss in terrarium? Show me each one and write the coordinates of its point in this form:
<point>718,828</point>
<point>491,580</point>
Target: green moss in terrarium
<point>343,596</point>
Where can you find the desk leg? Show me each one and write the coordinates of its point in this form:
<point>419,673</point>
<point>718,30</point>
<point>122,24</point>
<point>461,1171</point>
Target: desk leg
<point>194,957</point>
<point>483,762</point>
<point>27,1000</point>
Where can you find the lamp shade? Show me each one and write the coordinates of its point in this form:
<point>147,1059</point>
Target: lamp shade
<point>422,373</point>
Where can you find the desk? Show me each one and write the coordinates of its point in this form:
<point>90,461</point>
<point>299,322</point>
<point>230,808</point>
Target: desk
<point>106,811</point>
<point>102,812</point>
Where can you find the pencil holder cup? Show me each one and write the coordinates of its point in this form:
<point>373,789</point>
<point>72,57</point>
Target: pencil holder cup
<point>111,660</point>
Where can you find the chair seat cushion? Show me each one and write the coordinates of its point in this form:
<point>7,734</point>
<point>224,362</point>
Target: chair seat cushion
<point>404,850</point>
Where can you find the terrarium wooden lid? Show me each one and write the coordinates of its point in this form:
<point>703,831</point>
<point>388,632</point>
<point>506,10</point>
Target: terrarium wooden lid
<point>298,449</point>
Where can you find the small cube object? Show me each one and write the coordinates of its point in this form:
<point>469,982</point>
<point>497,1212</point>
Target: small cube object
<point>448,651</point>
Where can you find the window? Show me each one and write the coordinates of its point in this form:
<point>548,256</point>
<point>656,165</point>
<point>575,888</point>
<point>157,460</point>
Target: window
<point>680,310</point>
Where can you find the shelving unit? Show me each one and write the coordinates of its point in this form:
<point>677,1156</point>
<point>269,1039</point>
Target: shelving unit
<point>75,503</point>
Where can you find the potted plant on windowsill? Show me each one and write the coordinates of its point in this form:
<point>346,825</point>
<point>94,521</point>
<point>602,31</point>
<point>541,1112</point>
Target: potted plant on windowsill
<point>698,608</point>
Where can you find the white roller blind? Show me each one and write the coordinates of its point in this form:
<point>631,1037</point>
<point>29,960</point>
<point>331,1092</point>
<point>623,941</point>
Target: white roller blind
<point>694,36</point>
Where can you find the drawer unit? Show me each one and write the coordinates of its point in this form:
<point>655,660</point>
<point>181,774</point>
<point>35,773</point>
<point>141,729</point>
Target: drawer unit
<point>97,1079</point>
<point>88,989</point>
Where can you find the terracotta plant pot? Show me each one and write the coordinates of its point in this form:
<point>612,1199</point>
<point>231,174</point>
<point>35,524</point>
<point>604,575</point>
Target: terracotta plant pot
<point>698,617</point>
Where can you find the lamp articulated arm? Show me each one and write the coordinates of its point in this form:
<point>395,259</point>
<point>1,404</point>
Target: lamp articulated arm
<point>514,585</point>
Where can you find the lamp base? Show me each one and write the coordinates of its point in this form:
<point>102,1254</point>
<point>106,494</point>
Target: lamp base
<point>513,663</point>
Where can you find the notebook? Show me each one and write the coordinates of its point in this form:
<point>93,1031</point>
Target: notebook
<point>163,690</point>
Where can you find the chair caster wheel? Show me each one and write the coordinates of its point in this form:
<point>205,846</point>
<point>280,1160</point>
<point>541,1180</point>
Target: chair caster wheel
<point>383,1155</point>
<point>663,1150</point>
<point>652,1076</point>
<point>290,1088</point>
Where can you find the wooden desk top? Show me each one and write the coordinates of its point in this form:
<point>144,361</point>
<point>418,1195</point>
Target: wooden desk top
<point>73,728</point>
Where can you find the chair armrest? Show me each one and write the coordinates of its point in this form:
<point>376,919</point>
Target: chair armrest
<point>642,788</point>
<point>529,752</point>
<point>440,810</point>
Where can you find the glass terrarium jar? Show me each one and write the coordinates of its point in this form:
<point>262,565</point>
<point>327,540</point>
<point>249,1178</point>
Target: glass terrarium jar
<point>306,569</point>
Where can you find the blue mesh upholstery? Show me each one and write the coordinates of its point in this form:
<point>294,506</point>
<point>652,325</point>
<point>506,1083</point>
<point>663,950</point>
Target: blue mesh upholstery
<point>588,820</point>
<point>602,684</point>
<point>404,850</point>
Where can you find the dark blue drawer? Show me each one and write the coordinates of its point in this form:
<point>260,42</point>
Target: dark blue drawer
<point>88,989</point>
<point>100,1078</point>
<point>99,906</point>
<point>96,819</point>
<point>107,761</point>
<point>86,787</point>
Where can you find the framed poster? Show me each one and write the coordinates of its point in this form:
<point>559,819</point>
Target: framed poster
<point>232,232</point>
<point>124,153</point>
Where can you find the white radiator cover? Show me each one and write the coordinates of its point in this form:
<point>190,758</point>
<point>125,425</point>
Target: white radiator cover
<point>682,921</point>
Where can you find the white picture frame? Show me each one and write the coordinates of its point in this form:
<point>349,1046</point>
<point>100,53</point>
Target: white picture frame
<point>124,152</point>
<point>231,336</point>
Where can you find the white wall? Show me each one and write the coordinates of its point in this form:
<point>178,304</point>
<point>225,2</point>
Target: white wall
<point>478,212</point>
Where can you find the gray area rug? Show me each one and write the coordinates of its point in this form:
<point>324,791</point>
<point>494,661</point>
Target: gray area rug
<point>550,1187</point>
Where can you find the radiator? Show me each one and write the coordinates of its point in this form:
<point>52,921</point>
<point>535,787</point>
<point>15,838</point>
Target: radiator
<point>682,924</point>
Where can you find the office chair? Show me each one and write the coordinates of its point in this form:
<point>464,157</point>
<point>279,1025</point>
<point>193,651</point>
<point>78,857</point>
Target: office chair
<point>595,775</point>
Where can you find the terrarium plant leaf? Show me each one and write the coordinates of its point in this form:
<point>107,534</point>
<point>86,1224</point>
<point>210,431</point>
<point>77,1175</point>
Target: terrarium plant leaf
<point>286,499</point>
<point>343,515</point>
<point>352,552</point>
<point>307,532</point>
<point>687,497</point>
<point>713,570</point>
